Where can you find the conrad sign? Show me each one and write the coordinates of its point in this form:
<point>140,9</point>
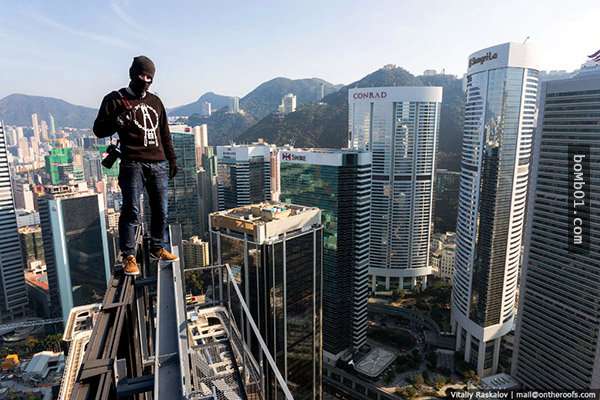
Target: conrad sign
<point>369,95</point>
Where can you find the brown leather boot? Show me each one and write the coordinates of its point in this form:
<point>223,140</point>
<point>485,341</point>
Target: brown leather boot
<point>130,266</point>
<point>163,255</point>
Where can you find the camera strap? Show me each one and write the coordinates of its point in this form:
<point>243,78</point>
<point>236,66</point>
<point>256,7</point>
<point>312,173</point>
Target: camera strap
<point>128,106</point>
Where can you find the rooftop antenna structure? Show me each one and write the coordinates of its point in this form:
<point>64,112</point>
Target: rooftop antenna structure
<point>526,39</point>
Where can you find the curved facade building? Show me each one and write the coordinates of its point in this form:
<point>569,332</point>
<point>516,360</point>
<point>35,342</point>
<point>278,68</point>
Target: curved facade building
<point>557,340</point>
<point>399,126</point>
<point>500,112</point>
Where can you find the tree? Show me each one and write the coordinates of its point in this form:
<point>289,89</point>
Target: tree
<point>470,374</point>
<point>410,392</point>
<point>440,381</point>
<point>194,283</point>
<point>419,381</point>
<point>31,343</point>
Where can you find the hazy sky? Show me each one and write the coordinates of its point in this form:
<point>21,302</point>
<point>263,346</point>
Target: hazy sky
<point>79,50</point>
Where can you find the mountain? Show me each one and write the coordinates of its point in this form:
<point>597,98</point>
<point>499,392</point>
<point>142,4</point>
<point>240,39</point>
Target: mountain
<point>264,100</point>
<point>326,124</point>
<point>217,101</point>
<point>223,127</point>
<point>16,109</point>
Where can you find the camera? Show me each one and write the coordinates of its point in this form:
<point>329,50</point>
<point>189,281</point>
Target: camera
<point>112,153</point>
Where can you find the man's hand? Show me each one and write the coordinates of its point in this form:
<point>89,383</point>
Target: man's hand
<point>123,120</point>
<point>172,169</point>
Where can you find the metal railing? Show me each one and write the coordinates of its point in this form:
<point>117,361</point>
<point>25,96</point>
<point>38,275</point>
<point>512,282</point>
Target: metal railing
<point>163,335</point>
<point>220,298</point>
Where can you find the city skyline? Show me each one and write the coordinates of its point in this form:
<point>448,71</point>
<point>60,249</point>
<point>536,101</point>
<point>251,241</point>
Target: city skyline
<point>405,237</point>
<point>104,37</point>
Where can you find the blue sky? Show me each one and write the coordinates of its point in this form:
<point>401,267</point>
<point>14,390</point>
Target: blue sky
<point>80,50</point>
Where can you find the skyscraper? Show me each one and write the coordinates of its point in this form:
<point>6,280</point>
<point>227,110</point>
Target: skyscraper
<point>11,137</point>
<point>234,104</point>
<point>23,152</point>
<point>277,251</point>
<point>399,125</point>
<point>445,200</point>
<point>23,196</point>
<point>75,247</point>
<point>201,140</point>
<point>243,174</point>
<point>32,245</point>
<point>184,198</point>
<point>59,165</point>
<point>499,121</point>
<point>13,293</point>
<point>206,110</point>
<point>338,182</point>
<point>195,252</point>
<point>288,103</point>
<point>43,130</point>
<point>52,126</point>
<point>557,340</point>
<point>92,166</point>
<point>36,126</point>
<point>208,187</point>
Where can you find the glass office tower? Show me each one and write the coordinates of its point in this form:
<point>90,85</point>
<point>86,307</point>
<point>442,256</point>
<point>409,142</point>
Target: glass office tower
<point>557,340</point>
<point>13,292</point>
<point>276,250</point>
<point>399,126</point>
<point>75,247</point>
<point>243,174</point>
<point>184,192</point>
<point>339,183</point>
<point>500,110</point>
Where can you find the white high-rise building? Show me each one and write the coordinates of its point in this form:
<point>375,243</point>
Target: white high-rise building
<point>13,293</point>
<point>206,109</point>
<point>52,127</point>
<point>234,104</point>
<point>36,126</point>
<point>11,137</point>
<point>288,103</point>
<point>201,135</point>
<point>399,125</point>
<point>500,113</point>
<point>23,196</point>
<point>23,152</point>
<point>556,342</point>
<point>43,131</point>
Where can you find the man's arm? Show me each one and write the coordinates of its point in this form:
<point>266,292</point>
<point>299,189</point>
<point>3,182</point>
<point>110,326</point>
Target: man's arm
<point>106,124</point>
<point>165,135</point>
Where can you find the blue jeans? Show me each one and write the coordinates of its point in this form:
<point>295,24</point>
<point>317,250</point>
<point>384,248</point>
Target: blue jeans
<point>134,176</point>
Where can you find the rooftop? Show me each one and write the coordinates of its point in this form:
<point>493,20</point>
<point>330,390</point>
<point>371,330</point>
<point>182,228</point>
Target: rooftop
<point>152,335</point>
<point>38,280</point>
<point>375,362</point>
<point>267,221</point>
<point>499,382</point>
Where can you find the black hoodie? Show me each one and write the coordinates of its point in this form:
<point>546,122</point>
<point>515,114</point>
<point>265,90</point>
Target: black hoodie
<point>146,137</point>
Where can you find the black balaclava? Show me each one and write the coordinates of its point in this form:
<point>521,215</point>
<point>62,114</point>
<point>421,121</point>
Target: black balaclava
<point>141,65</point>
